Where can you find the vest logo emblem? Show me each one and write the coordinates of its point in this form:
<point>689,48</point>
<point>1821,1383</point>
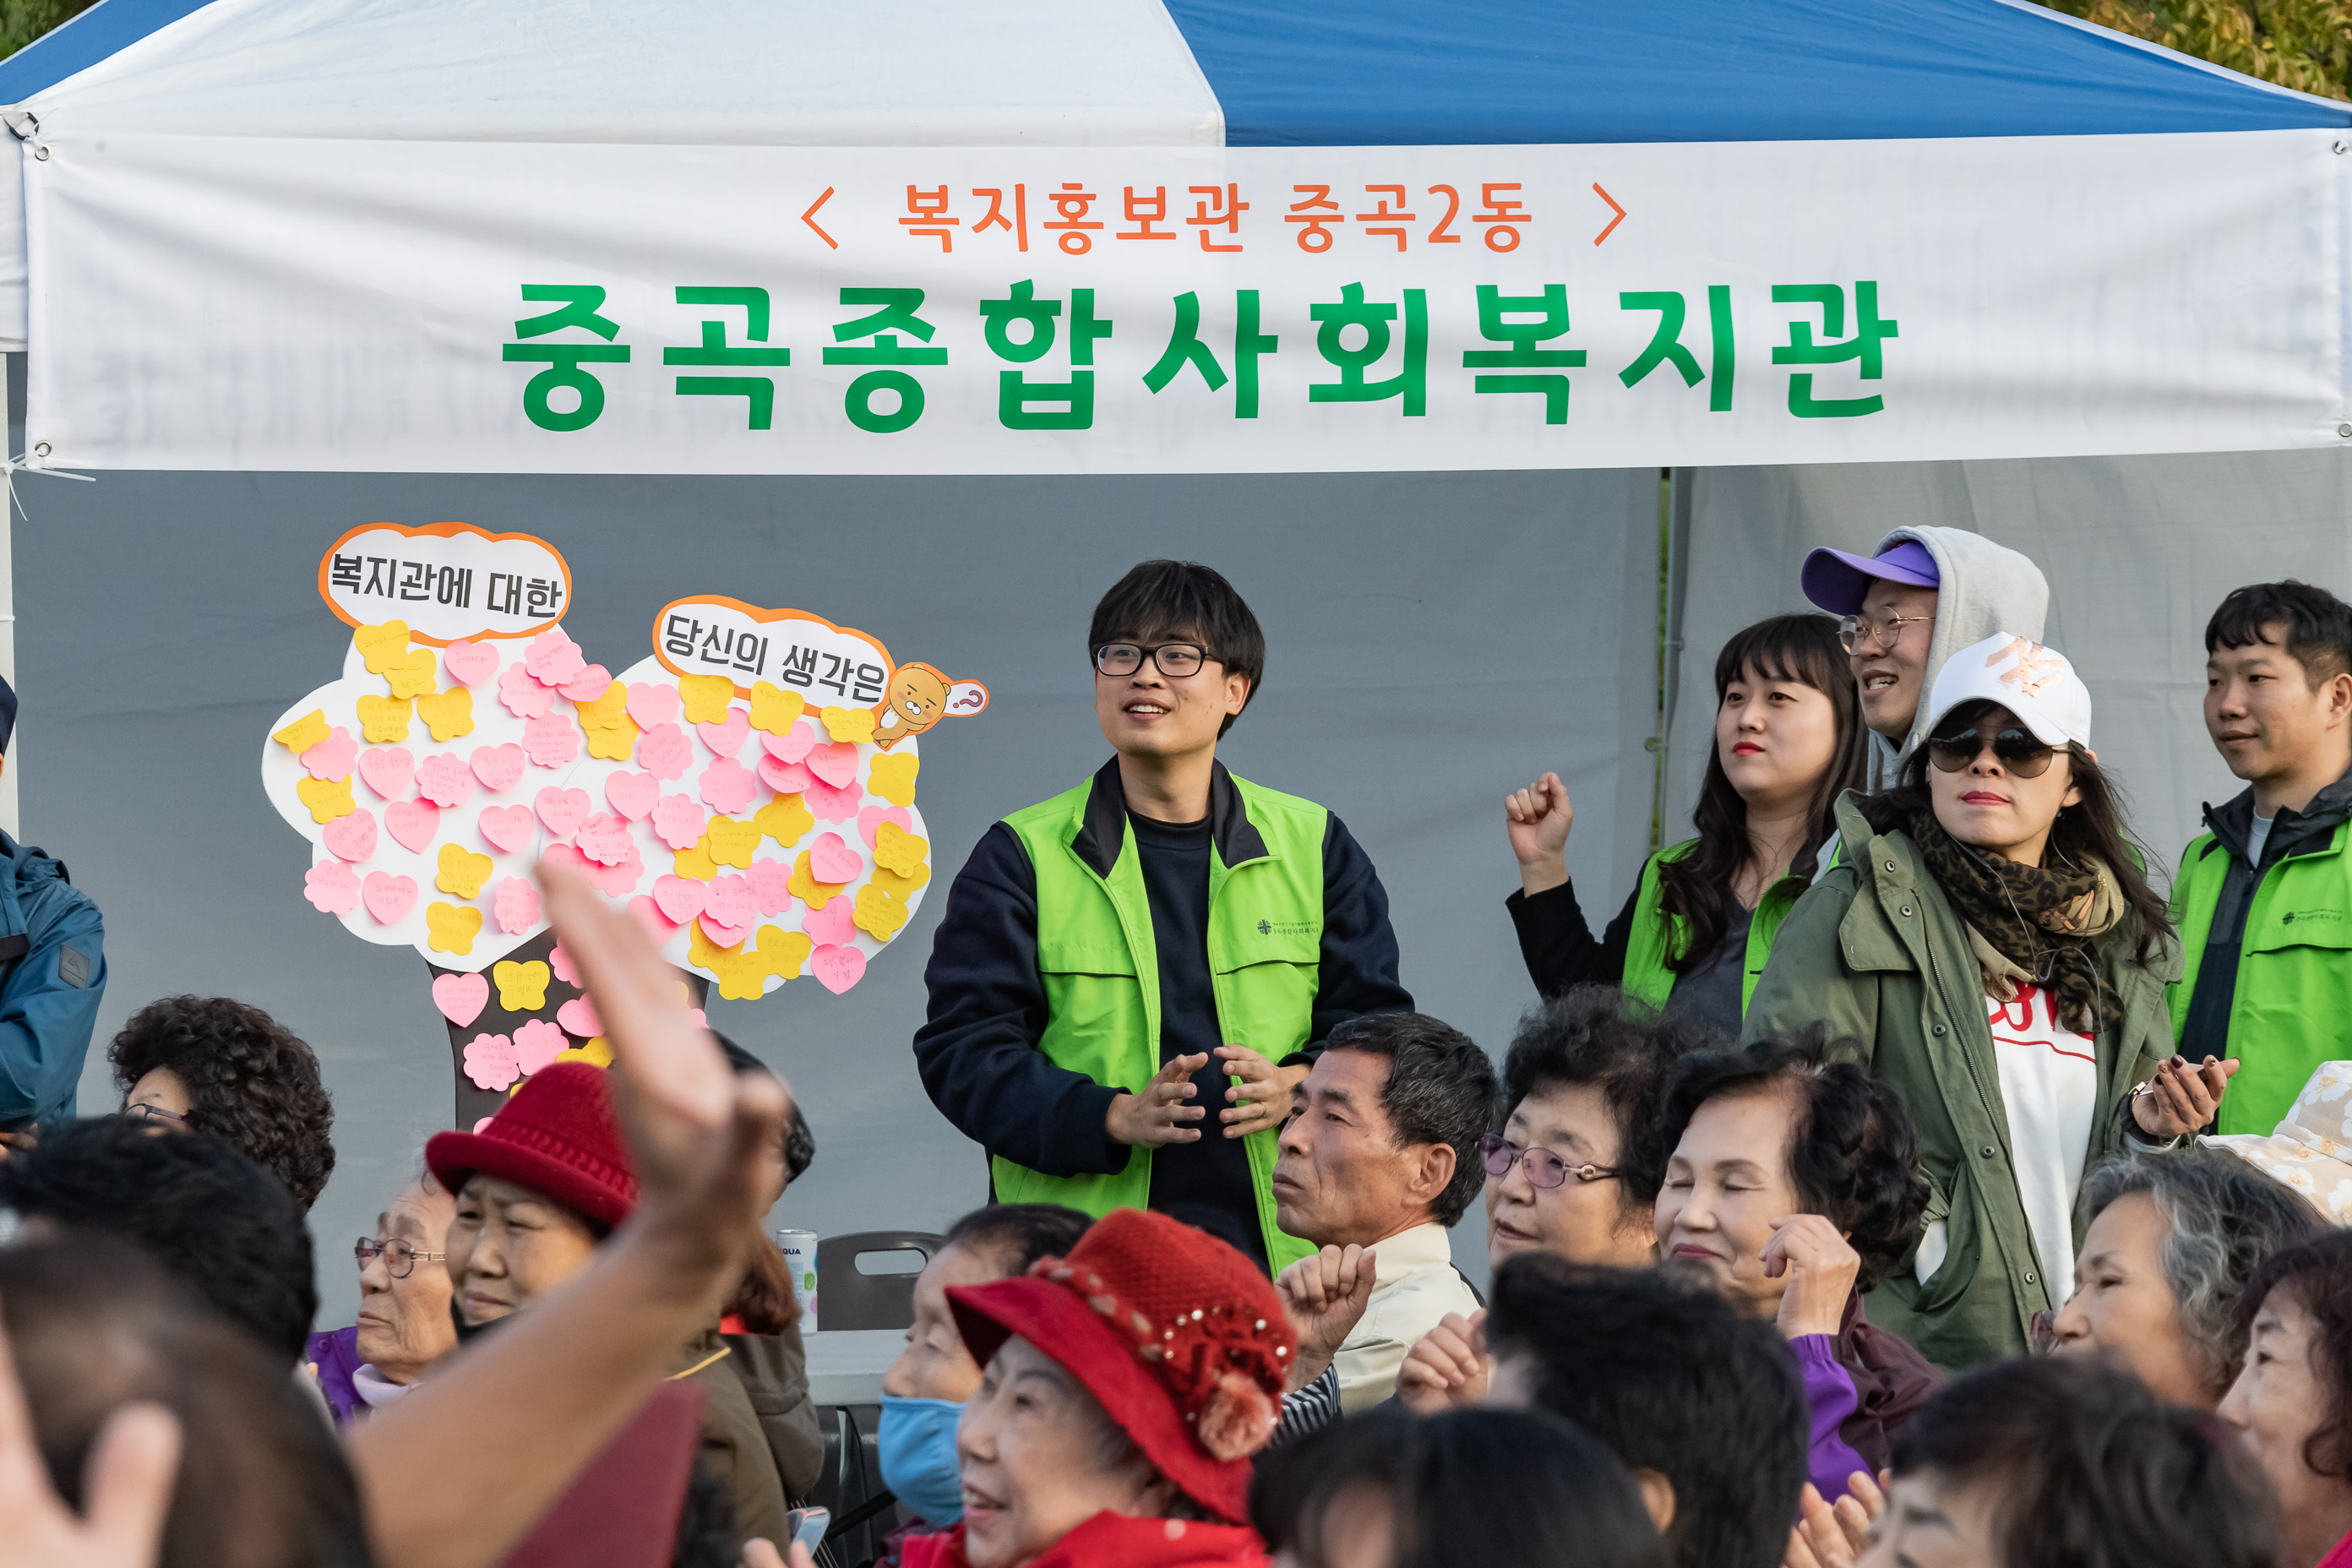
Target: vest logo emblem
<point>1291,927</point>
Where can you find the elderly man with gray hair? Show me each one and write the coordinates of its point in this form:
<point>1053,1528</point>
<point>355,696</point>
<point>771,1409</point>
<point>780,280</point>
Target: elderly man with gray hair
<point>2172,1241</point>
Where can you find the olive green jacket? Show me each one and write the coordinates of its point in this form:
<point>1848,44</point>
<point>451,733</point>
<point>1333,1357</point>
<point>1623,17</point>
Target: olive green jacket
<point>1887,962</point>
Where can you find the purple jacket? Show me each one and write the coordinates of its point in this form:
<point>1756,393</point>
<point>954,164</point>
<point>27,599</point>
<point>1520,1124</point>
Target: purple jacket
<point>336,1355</point>
<point>1862,1385</point>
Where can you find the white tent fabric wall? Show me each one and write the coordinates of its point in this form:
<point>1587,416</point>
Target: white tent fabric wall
<point>2138,551</point>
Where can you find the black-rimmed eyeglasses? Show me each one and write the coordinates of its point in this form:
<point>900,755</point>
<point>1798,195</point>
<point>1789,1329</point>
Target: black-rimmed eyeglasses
<point>1176,659</point>
<point>1545,1169</point>
<point>156,1114</point>
<point>399,1256</point>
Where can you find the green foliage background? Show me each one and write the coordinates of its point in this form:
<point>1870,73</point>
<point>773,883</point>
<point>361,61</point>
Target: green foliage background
<point>2303,44</point>
<point>22,21</point>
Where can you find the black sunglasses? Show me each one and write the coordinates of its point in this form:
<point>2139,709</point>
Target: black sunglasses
<point>2020,751</point>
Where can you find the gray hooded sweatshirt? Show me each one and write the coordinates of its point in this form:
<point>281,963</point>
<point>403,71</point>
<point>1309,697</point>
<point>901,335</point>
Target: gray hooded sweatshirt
<point>1984,588</point>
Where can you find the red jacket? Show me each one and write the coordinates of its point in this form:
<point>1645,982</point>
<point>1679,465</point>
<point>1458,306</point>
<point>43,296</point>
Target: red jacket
<point>1114,1540</point>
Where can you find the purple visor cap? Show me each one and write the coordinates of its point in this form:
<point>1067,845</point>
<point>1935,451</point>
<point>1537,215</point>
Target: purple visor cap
<point>1838,580</point>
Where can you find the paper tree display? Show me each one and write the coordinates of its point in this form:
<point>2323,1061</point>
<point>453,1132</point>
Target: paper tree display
<point>747,792</point>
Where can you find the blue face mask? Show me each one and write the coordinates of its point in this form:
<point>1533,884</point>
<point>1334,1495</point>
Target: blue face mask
<point>918,1456</point>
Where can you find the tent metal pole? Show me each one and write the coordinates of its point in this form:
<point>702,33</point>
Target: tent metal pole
<point>1674,569</point>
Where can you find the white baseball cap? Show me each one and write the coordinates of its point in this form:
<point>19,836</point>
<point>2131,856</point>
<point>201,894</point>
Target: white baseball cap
<point>2036,683</point>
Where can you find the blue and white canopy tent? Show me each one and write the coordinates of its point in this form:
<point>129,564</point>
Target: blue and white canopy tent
<point>1836,263</point>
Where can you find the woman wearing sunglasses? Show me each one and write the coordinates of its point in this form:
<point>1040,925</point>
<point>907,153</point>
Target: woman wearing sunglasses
<point>1990,939</point>
<point>1700,921</point>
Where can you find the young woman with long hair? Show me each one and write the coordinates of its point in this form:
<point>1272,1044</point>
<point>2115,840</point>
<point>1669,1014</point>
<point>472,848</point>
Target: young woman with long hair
<point>1700,921</point>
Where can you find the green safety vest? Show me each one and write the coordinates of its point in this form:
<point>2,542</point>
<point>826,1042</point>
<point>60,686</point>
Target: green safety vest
<point>2292,1006</point>
<point>1656,937</point>
<point>1100,969</point>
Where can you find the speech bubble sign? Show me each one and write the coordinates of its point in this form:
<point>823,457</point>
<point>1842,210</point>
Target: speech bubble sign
<point>450,582</point>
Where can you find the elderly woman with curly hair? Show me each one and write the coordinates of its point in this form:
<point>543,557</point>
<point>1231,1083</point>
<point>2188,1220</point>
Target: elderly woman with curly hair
<point>210,1065</point>
<point>1793,1185</point>
<point>2171,1243</point>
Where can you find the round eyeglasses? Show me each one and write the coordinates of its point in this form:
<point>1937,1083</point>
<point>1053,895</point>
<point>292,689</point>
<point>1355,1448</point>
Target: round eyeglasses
<point>1175,659</point>
<point>2017,751</point>
<point>1545,1169</point>
<point>1854,630</point>
<point>399,1256</point>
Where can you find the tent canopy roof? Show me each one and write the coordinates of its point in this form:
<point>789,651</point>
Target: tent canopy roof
<point>1126,72</point>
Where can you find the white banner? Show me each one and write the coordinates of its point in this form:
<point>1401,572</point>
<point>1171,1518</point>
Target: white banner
<point>249,303</point>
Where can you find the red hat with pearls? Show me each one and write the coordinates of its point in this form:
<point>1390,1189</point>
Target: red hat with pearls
<point>1178,1334</point>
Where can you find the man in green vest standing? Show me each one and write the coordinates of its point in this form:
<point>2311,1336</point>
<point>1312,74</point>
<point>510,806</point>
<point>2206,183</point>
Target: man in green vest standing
<point>1161,942</point>
<point>2264,896</point>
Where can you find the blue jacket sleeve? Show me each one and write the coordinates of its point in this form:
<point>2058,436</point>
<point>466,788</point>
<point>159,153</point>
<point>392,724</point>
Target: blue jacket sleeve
<point>1358,972</point>
<point>46,1018</point>
<point>977,1051</point>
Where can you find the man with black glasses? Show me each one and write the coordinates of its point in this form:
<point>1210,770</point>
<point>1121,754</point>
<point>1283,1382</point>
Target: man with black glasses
<point>1162,940</point>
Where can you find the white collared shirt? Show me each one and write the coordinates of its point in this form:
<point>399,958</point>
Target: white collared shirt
<point>1414,1286</point>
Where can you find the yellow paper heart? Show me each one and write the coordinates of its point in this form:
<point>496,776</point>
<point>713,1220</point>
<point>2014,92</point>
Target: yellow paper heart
<point>731,843</point>
<point>807,889</point>
<point>327,798</point>
<point>878,913</point>
<point>448,714</point>
<point>304,732</point>
<point>412,674</point>
<point>848,724</point>
<point>596,1053</point>
<point>384,719</point>
<point>522,987</point>
<point>707,697</point>
<point>893,777</point>
<point>896,849</point>
<point>891,882</point>
<point>381,645</point>
<point>784,819</point>
<point>774,708</point>
<point>463,872</point>
<point>451,928</point>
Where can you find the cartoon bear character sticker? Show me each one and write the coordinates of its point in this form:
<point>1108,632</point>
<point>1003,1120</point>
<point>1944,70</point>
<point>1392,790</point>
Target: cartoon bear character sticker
<point>919,698</point>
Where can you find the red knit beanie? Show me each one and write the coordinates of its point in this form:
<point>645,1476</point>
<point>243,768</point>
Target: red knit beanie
<point>557,1136</point>
<point>1178,1334</point>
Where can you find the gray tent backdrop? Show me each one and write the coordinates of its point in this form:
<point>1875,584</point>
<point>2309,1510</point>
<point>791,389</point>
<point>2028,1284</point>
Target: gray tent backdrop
<point>2139,551</point>
<point>1436,638</point>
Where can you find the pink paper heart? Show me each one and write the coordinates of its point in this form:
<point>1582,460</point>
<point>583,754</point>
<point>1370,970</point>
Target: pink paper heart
<point>506,828</point>
<point>870,821</point>
<point>578,1017</point>
<point>351,836</point>
<point>659,926</point>
<point>677,821</point>
<point>664,751</point>
<point>723,936</point>
<point>444,781</point>
<point>588,685</point>
<point>729,903</point>
<point>553,658</point>
<point>331,758</point>
<point>831,860</point>
<point>838,968</point>
<point>679,898</point>
<point>727,739</point>
<point>388,770</point>
<point>771,886</point>
<point>632,795</point>
<point>727,787</point>
<point>332,888</point>
<point>784,778</point>
<point>498,767</point>
<point>388,898</point>
<point>830,805</point>
<point>835,763</point>
<point>551,740</point>
<point>652,703</point>
<point>563,810</point>
<point>490,1061</point>
<point>604,838</point>
<point>471,662</point>
<point>617,881</point>
<point>516,905</point>
<point>461,997</point>
<point>524,698</point>
<point>792,745</point>
<point>835,925</point>
<point>413,823</point>
<point>537,1045</point>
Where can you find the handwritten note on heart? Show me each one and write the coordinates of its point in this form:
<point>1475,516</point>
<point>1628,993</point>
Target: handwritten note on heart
<point>578,1017</point>
<point>838,968</point>
<point>871,818</point>
<point>830,805</point>
<point>652,703</point>
<point>388,770</point>
<point>831,860</point>
<point>771,886</point>
<point>471,662</point>
<point>515,906</point>
<point>784,778</point>
<point>679,898</point>
<point>834,925</point>
<point>332,888</point>
<point>664,751</point>
<point>524,698</point>
<point>551,740</point>
<point>498,767</point>
<point>604,838</point>
<point>412,823</point>
<point>729,903</point>
<point>678,820</point>
<point>727,739</point>
<point>793,745</point>
<point>593,682</point>
<point>835,763</point>
<point>388,898</point>
<point>563,810</point>
<point>553,658</point>
<point>350,837</point>
<point>444,781</point>
<point>506,828</point>
<point>632,795</point>
<point>461,997</point>
<point>331,758</point>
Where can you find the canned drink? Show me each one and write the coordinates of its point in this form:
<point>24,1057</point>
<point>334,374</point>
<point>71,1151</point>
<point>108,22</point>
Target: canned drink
<point>799,1255</point>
